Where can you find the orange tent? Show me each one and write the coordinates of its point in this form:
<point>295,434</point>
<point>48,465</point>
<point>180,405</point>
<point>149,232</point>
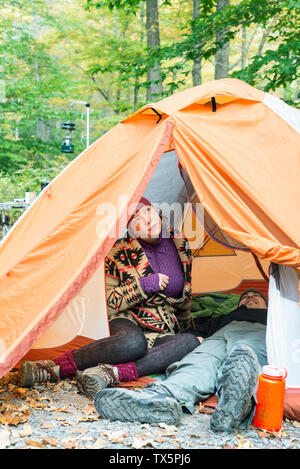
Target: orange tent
<point>238,152</point>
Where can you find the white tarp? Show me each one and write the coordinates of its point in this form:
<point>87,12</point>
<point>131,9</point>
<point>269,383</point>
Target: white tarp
<point>283,327</point>
<point>289,114</point>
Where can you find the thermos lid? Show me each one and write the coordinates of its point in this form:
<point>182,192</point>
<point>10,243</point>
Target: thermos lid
<point>274,371</point>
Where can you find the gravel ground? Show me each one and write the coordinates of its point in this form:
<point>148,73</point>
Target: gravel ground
<point>57,416</point>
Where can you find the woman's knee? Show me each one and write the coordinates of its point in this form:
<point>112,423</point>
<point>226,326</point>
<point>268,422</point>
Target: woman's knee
<point>190,340</point>
<point>187,340</point>
<point>131,338</point>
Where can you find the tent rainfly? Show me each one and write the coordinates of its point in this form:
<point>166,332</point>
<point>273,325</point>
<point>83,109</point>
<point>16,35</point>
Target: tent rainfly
<point>224,152</point>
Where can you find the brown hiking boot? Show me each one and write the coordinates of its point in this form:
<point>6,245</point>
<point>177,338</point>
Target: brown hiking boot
<point>38,372</point>
<point>93,380</point>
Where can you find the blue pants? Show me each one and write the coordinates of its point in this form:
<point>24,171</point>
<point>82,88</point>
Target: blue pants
<point>195,377</point>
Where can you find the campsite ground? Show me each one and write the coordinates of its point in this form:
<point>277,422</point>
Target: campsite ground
<point>56,416</point>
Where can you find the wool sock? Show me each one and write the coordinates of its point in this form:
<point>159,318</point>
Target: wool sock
<point>126,371</point>
<point>67,366</point>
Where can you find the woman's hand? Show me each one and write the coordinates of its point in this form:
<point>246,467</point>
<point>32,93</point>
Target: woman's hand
<point>163,281</point>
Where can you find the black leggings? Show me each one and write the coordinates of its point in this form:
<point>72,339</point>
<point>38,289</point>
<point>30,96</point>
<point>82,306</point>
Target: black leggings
<point>127,343</point>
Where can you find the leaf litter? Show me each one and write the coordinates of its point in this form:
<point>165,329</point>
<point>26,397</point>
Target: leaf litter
<point>36,417</point>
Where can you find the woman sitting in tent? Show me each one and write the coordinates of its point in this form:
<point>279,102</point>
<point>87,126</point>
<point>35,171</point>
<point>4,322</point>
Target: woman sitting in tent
<point>148,289</point>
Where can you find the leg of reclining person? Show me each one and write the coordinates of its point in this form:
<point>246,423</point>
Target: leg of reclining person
<point>238,376</point>
<point>191,379</point>
<point>194,378</point>
<point>251,334</point>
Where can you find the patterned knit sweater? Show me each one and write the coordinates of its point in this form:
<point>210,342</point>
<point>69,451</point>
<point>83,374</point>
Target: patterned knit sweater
<point>127,297</point>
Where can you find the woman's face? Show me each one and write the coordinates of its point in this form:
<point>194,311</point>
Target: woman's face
<point>146,224</point>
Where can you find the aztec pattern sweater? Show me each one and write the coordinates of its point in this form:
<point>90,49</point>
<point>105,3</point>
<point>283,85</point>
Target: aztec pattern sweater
<point>155,312</point>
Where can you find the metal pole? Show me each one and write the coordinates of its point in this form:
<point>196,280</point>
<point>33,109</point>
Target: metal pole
<point>87,105</point>
<point>3,222</point>
<point>87,125</point>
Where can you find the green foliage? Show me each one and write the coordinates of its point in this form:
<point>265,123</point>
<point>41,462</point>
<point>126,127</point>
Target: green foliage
<point>129,6</point>
<point>29,178</point>
<point>15,154</point>
<point>33,82</point>
<point>277,66</point>
<point>281,17</point>
<point>97,51</point>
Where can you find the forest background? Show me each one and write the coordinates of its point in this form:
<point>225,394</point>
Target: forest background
<point>117,55</point>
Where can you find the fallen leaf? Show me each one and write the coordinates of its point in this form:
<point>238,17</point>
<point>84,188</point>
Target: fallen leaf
<point>171,428</point>
<point>243,442</point>
<point>36,444</point>
<point>89,409</point>
<point>82,431</point>
<point>11,377</point>
<point>27,431</point>
<point>202,409</point>
<point>43,398</point>
<point>65,409</point>
<point>138,443</point>
<point>246,444</point>
<point>99,444</point>
<point>11,416</point>
<point>264,434</point>
<point>60,419</point>
<point>116,437</point>
<point>23,408</point>
<point>46,425</point>
<point>165,432</point>
<point>280,434</point>
<point>87,419</point>
<point>70,444</point>
<point>21,392</point>
<point>142,436</point>
<point>49,441</point>
<point>35,404</point>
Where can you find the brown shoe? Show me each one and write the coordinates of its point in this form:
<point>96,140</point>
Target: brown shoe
<point>38,372</point>
<point>93,380</point>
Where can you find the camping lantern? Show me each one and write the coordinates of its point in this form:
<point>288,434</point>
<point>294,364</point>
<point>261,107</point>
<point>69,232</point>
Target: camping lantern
<point>67,146</point>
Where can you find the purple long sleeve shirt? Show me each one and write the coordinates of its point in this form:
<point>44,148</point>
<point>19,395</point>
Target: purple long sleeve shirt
<point>164,259</point>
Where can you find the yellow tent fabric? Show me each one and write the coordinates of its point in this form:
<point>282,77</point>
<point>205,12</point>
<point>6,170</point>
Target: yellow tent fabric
<point>240,150</point>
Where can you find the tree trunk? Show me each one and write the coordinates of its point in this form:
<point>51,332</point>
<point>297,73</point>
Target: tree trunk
<point>222,52</point>
<point>136,84</point>
<point>153,42</point>
<point>244,48</point>
<point>43,129</point>
<point>42,125</point>
<point>196,71</point>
